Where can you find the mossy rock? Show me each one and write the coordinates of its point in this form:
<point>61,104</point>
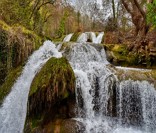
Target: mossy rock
<point>51,94</point>
<point>58,69</point>
<point>137,75</point>
<point>59,39</point>
<point>118,54</point>
<point>55,81</point>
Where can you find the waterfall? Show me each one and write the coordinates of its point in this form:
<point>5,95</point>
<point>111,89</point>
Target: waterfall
<point>82,38</point>
<point>92,85</point>
<point>104,103</point>
<point>97,39</point>
<point>13,110</point>
<point>137,106</point>
<point>67,38</point>
<point>91,36</point>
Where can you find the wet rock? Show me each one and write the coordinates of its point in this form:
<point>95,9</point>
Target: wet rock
<point>51,95</point>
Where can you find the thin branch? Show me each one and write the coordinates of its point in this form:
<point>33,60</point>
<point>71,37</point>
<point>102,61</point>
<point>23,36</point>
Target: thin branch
<point>34,8</point>
<point>46,19</point>
<point>45,3</point>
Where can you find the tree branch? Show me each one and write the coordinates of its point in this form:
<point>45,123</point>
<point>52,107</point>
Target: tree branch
<point>140,9</point>
<point>45,3</point>
<point>34,8</point>
<point>37,6</point>
<point>127,7</point>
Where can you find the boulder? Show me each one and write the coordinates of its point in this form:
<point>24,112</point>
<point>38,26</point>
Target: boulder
<point>51,95</point>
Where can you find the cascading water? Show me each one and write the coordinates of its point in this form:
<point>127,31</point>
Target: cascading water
<point>136,107</point>
<point>94,80</point>
<point>82,38</point>
<point>93,37</point>
<point>67,38</point>
<point>105,104</point>
<point>97,39</point>
<point>13,110</point>
<point>90,35</point>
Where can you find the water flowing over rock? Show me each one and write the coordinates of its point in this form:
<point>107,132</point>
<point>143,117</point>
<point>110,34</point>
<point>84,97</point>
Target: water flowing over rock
<point>107,100</point>
<point>82,38</point>
<point>67,38</point>
<point>137,105</point>
<point>13,110</point>
<point>94,80</point>
<point>91,37</point>
<point>98,39</point>
<point>105,103</point>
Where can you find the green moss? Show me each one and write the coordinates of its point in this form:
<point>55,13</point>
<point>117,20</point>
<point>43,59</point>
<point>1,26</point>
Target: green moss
<point>16,45</point>
<point>108,46</point>
<point>56,70</point>
<point>121,55</point>
<point>35,121</point>
<point>23,33</point>
<point>49,92</point>
<point>132,59</point>
<point>120,50</point>
<point>4,26</point>
<point>60,39</point>
<point>135,75</point>
<point>75,36</point>
<point>10,79</point>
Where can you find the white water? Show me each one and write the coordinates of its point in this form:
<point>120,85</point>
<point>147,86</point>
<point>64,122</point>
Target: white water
<point>134,69</point>
<point>82,38</point>
<point>137,106</point>
<point>13,110</point>
<point>90,70</point>
<point>98,39</point>
<point>90,35</point>
<point>96,86</point>
<point>93,37</point>
<point>68,37</point>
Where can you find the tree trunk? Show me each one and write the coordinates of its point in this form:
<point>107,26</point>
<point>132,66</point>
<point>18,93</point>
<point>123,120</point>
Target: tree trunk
<point>139,20</point>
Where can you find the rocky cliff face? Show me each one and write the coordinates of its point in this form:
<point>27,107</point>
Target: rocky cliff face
<point>51,99</point>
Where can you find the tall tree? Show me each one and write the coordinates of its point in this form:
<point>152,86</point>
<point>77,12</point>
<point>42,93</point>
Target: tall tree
<point>138,12</point>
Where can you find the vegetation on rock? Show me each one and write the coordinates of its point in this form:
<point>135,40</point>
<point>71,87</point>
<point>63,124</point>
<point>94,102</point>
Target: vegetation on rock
<point>16,44</point>
<point>50,93</point>
<point>75,36</point>
<point>118,54</point>
<point>148,75</point>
